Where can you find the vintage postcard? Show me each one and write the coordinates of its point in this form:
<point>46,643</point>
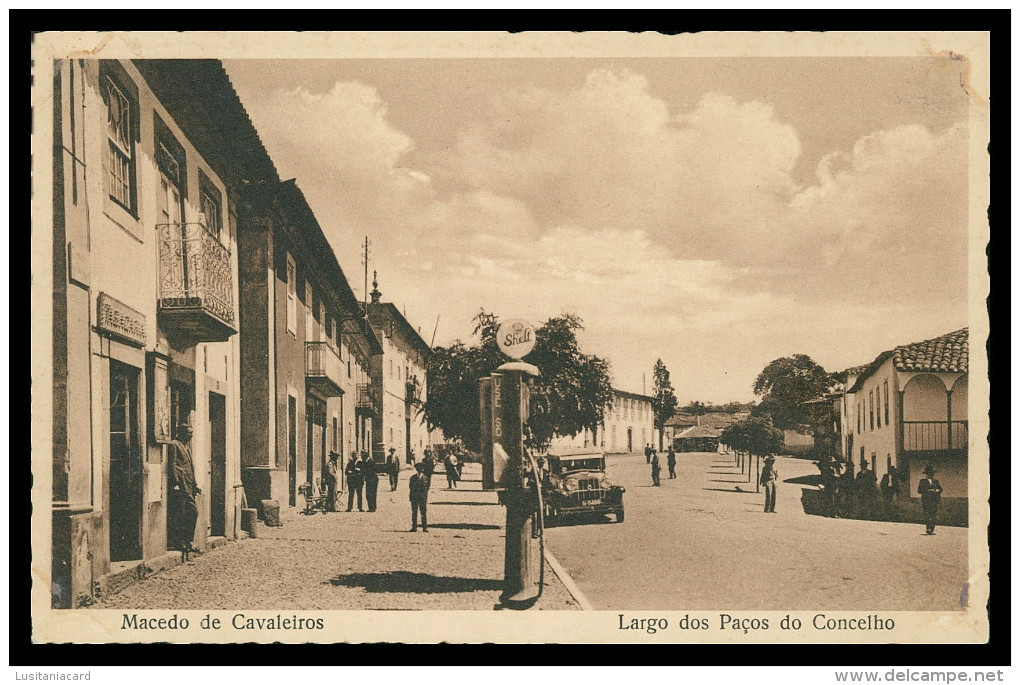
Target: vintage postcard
<point>488,337</point>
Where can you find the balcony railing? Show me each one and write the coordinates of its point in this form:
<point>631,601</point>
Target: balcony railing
<point>196,283</point>
<point>411,390</point>
<point>924,436</point>
<point>323,369</point>
<point>368,398</point>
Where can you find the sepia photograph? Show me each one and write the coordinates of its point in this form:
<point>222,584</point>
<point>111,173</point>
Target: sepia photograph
<point>463,337</point>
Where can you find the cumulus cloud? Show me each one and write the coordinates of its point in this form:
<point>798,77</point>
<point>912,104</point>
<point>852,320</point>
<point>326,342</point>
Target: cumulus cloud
<point>670,232</point>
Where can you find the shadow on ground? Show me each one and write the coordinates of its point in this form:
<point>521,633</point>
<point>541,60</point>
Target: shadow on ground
<point>420,583</point>
<point>811,479</point>
<point>741,491</point>
<point>465,526</point>
<point>466,504</point>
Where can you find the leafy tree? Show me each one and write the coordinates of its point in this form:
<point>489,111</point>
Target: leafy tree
<point>784,385</point>
<point>664,402</point>
<point>571,394</point>
<point>696,408</point>
<point>756,436</point>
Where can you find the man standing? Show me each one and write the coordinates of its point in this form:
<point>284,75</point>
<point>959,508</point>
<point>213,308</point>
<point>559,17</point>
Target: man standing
<point>671,462</point>
<point>183,509</point>
<point>930,491</point>
<point>418,490</point>
<point>331,474</point>
<point>865,489</point>
<point>393,468</point>
<point>370,473</point>
<point>354,481</point>
<point>429,465</point>
<point>656,469</point>
<point>769,479</point>
<point>648,453</point>
<point>890,486</point>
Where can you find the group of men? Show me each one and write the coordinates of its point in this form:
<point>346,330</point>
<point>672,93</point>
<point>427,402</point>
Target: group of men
<point>847,493</point>
<point>652,457</point>
<point>362,476</point>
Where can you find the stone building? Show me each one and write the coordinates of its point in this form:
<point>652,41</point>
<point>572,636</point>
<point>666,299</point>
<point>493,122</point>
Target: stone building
<point>908,408</point>
<point>627,426</point>
<point>306,386</point>
<point>398,376</point>
<point>150,158</point>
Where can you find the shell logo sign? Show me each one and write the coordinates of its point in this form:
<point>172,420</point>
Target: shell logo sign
<point>515,338</point>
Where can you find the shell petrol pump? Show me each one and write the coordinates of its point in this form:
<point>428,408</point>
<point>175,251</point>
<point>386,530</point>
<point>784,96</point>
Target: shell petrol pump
<point>508,469</point>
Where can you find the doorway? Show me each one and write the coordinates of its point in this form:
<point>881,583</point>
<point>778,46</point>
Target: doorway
<point>630,439</point>
<point>125,465</point>
<point>315,420</point>
<point>292,449</point>
<point>217,464</point>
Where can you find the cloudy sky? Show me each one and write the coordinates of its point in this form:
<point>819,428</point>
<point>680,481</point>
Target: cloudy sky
<point>714,213</point>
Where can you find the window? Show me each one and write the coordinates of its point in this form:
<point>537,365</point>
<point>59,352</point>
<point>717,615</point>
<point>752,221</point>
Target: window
<point>291,295</point>
<point>878,408</point>
<point>871,410</point>
<point>210,208</point>
<point>120,159</point>
<point>885,392</point>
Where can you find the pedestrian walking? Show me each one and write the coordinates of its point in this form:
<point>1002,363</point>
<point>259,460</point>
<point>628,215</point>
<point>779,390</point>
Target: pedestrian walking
<point>418,492</point>
<point>671,462</point>
<point>393,468</point>
<point>656,469</point>
<point>865,490</point>
<point>370,472</point>
<point>331,474</point>
<point>355,481</point>
<point>452,471</point>
<point>183,508</point>
<point>930,491</point>
<point>769,479</point>
<point>648,453</point>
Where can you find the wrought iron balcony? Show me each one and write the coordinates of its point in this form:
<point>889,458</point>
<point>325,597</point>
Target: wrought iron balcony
<point>196,283</point>
<point>368,398</point>
<point>412,388</point>
<point>323,369</point>
<point>927,436</point>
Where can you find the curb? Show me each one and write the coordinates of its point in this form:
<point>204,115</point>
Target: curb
<point>567,581</point>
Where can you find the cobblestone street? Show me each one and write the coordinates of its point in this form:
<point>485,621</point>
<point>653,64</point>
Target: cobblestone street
<point>354,560</point>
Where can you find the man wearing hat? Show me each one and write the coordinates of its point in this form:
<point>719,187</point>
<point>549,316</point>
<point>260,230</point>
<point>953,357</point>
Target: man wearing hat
<point>930,491</point>
<point>418,489</point>
<point>865,488</point>
<point>393,467</point>
<point>182,512</point>
<point>331,474</point>
<point>769,479</point>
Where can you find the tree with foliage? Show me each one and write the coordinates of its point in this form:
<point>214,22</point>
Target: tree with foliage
<point>571,394</point>
<point>664,401</point>
<point>784,385</point>
<point>754,437</point>
<point>696,409</point>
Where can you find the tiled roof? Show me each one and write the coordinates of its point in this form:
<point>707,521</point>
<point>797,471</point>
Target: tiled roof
<point>699,432</point>
<point>857,370</point>
<point>947,353</point>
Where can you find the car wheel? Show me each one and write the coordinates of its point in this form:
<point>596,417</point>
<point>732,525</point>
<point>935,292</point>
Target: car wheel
<point>619,515</point>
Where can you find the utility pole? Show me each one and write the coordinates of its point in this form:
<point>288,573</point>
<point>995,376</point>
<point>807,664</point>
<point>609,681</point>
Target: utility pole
<point>364,261</point>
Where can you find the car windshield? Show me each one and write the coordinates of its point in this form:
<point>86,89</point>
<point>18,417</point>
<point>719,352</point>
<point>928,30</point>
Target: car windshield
<point>588,464</point>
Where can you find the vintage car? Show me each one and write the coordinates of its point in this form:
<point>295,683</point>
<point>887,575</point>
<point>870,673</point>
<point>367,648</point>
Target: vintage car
<point>576,484</point>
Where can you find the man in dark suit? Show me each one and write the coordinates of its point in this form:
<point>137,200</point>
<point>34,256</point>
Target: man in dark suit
<point>418,489</point>
<point>331,475</point>
<point>370,472</point>
<point>769,479</point>
<point>355,481</point>
<point>930,491</point>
